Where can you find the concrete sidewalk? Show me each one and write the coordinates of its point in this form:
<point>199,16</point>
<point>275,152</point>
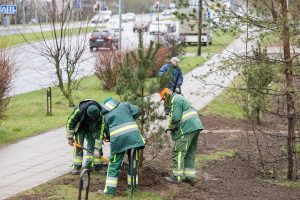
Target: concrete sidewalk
<point>41,158</point>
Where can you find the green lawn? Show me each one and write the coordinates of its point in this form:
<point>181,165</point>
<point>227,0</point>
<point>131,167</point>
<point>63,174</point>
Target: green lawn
<point>223,105</point>
<point>188,63</point>
<point>220,41</point>
<point>15,39</point>
<point>26,115</point>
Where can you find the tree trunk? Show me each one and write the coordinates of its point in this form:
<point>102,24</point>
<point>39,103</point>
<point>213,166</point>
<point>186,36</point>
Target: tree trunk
<point>71,100</point>
<point>292,167</point>
<point>199,27</point>
<point>66,93</point>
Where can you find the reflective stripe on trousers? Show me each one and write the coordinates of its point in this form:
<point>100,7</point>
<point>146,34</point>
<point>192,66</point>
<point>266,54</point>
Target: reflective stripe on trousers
<point>189,172</point>
<point>111,182</point>
<point>129,179</point>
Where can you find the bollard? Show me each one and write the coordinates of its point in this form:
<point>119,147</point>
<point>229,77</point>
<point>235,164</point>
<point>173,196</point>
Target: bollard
<point>49,101</point>
<point>84,183</point>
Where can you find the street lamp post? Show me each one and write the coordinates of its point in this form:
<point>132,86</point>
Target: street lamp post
<point>120,25</point>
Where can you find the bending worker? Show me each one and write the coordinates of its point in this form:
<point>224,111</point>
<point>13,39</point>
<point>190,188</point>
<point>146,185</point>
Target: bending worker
<point>185,127</point>
<point>171,75</point>
<point>124,136</point>
<point>86,122</point>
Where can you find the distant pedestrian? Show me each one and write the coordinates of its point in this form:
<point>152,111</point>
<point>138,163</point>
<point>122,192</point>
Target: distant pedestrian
<point>171,75</point>
<point>86,122</point>
<point>185,127</point>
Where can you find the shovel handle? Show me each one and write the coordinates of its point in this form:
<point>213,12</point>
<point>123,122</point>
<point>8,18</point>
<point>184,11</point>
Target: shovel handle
<point>81,147</point>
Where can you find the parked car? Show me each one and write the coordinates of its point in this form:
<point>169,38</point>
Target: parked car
<point>167,13</point>
<point>158,27</point>
<point>171,26</point>
<point>103,39</point>
<point>102,16</point>
<point>131,17</point>
<point>141,25</point>
<point>125,18</point>
<point>113,24</point>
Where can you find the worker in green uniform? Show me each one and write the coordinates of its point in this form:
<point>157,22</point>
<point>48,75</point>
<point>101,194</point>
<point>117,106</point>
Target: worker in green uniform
<point>124,135</point>
<point>185,127</point>
<point>86,122</point>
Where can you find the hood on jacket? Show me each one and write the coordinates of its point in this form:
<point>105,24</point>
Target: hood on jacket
<point>109,104</point>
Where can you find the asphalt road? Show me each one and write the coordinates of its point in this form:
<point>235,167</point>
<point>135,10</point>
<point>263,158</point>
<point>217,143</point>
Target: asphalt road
<point>34,71</point>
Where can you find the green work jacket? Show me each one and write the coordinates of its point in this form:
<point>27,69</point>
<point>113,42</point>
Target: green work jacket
<point>184,118</point>
<point>78,121</point>
<point>120,123</point>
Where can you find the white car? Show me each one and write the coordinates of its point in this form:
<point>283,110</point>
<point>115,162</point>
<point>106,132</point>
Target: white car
<point>167,13</point>
<point>125,18</point>
<point>102,16</point>
<point>131,17</point>
<point>158,27</point>
<point>113,24</point>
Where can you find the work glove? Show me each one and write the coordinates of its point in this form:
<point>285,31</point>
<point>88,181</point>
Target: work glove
<point>71,141</point>
<point>106,139</point>
<point>178,90</point>
<point>168,131</point>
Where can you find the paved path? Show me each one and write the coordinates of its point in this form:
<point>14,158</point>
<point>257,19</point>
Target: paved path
<point>41,158</point>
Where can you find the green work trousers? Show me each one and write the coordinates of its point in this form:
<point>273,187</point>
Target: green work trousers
<point>115,163</point>
<point>183,156</point>
<point>90,162</point>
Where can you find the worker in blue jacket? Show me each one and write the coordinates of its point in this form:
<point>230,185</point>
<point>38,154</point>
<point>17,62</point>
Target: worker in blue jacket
<point>171,75</point>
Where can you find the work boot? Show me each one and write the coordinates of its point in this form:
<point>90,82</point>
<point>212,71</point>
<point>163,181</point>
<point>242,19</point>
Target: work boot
<point>101,192</point>
<point>191,181</point>
<point>100,171</point>
<point>75,172</point>
<point>89,168</point>
<point>172,179</point>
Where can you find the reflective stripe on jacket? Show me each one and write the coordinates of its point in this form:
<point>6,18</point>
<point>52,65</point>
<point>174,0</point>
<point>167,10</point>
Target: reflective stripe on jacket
<point>184,118</point>
<point>123,130</point>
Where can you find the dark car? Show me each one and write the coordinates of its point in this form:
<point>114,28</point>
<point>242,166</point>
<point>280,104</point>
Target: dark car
<point>141,25</point>
<point>103,39</point>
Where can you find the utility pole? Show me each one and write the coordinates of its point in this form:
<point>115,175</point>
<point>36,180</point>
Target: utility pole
<point>24,12</point>
<point>199,27</point>
<point>120,25</point>
<point>158,24</point>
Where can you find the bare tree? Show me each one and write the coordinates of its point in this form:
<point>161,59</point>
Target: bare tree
<point>66,46</point>
<point>6,73</point>
<point>107,68</point>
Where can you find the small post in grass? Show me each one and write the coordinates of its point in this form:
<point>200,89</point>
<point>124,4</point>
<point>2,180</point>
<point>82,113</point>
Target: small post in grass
<point>84,183</point>
<point>49,101</point>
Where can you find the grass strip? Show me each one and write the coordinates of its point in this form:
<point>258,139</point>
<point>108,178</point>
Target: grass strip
<point>16,39</point>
